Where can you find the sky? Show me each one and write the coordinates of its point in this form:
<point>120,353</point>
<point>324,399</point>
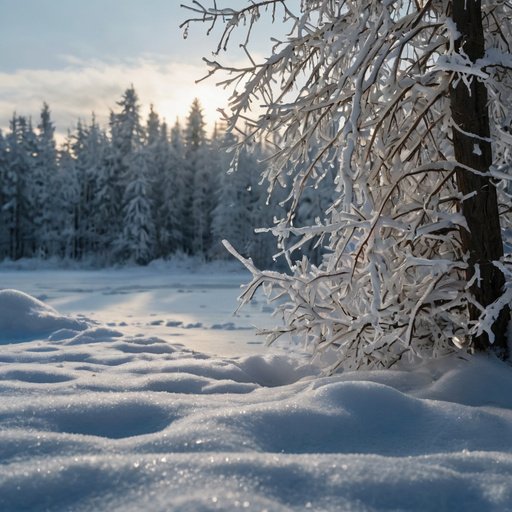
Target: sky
<point>80,55</point>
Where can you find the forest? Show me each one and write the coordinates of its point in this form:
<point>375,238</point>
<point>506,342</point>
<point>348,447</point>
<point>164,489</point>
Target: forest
<point>137,191</point>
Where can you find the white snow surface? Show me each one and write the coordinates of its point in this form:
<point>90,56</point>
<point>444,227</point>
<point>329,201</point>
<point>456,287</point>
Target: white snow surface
<point>23,317</point>
<point>98,417</point>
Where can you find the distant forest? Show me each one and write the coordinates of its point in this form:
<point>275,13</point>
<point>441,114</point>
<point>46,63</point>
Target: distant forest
<point>135,192</point>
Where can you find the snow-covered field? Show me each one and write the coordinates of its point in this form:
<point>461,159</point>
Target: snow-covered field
<point>125,408</point>
<point>180,302</point>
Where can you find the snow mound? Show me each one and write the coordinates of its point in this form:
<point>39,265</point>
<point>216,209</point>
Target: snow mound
<point>25,318</point>
<point>94,419</point>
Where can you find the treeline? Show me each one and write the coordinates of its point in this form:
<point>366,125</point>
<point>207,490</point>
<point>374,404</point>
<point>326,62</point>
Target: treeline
<point>134,192</point>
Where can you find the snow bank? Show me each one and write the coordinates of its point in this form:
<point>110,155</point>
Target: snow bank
<point>23,318</point>
<point>94,419</point>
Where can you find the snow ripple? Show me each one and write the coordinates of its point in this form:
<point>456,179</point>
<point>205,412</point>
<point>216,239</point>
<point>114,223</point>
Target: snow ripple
<point>92,419</point>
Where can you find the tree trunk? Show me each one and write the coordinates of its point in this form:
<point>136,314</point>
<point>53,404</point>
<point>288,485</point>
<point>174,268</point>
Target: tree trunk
<point>472,146</point>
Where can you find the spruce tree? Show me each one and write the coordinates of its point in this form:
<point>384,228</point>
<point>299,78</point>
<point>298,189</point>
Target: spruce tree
<point>126,135</point>
<point>138,235</point>
<point>170,215</point>
<point>4,231</point>
<point>22,151</point>
<point>44,185</point>
<point>197,195</point>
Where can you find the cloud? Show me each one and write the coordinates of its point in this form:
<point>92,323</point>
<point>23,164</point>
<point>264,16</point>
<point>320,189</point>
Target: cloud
<point>83,87</point>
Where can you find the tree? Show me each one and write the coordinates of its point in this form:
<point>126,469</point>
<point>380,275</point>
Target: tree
<point>44,185</point>
<point>152,128</point>
<point>138,237</point>
<point>170,207</point>
<point>165,163</point>
<point>155,148</point>
<point>231,216</point>
<point>473,149</point>
<point>67,206</point>
<point>241,204</point>
<point>198,202</point>
<point>126,136</point>
<point>18,188</point>
<point>4,231</point>
<point>126,129</point>
<point>393,96</point>
<point>88,148</point>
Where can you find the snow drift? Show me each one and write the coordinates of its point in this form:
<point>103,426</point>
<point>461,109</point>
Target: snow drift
<point>23,318</point>
<point>94,419</point>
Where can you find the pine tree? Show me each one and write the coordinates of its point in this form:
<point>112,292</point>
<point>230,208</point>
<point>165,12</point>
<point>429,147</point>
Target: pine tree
<point>156,148</point>
<point>68,211</point>
<point>94,178</point>
<point>170,208</point>
<point>198,195</point>
<point>138,236</point>
<point>126,129</point>
<point>152,134</point>
<point>109,197</point>
<point>44,185</point>
<point>126,136</point>
<point>78,148</point>
<point>232,216</point>
<point>4,231</point>
<point>21,149</point>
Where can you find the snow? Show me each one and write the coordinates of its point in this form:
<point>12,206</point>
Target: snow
<point>24,317</point>
<point>120,417</point>
<point>178,301</point>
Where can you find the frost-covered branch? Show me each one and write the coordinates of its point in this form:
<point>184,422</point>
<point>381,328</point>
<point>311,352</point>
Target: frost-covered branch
<point>361,90</point>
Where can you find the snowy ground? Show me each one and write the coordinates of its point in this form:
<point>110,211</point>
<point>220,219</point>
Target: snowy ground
<point>122,417</point>
<point>178,302</point>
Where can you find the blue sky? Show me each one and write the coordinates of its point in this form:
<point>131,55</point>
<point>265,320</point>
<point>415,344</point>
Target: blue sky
<point>79,56</point>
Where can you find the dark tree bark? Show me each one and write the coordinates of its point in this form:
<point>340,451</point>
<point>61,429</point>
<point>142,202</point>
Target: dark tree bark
<point>472,146</point>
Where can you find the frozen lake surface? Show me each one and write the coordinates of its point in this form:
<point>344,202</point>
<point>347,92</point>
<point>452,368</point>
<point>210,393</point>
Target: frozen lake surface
<point>179,303</point>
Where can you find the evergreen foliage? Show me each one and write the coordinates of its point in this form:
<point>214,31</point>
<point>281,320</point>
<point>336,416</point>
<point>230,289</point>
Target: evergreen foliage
<point>133,193</point>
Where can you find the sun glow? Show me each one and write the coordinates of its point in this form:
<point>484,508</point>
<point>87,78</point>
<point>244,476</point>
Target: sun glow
<point>174,102</point>
<point>82,88</point>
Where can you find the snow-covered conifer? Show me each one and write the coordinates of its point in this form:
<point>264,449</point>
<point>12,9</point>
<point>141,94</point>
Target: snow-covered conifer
<point>17,208</point>
<point>68,209</point>
<point>138,236</point>
<point>4,232</point>
<point>198,181</point>
<point>126,136</point>
<point>44,185</point>
<point>169,210</point>
<point>235,215</point>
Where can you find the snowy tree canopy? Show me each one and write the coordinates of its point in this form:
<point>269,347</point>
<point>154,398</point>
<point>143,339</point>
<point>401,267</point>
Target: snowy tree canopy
<point>376,92</point>
<point>133,193</point>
